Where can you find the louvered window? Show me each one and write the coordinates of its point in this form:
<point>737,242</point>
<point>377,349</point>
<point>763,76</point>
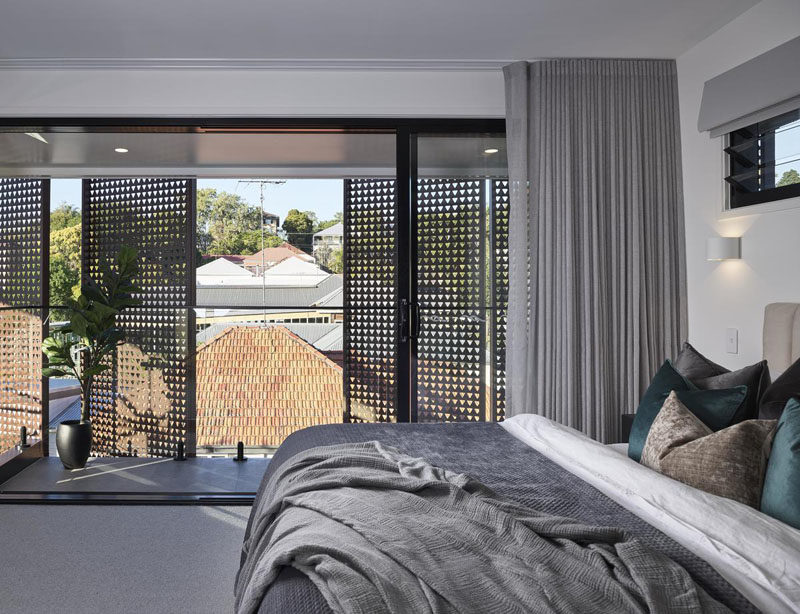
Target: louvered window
<point>764,161</point>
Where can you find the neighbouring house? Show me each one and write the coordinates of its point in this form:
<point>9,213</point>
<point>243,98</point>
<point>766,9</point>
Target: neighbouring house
<point>259,385</point>
<point>331,238</point>
<point>235,258</point>
<point>269,257</point>
<point>221,272</point>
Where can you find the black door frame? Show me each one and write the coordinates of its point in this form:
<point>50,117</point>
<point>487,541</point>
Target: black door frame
<point>406,132</point>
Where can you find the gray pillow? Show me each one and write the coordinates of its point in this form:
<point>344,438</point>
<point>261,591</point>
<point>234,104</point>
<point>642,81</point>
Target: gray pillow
<point>708,375</point>
<point>730,463</point>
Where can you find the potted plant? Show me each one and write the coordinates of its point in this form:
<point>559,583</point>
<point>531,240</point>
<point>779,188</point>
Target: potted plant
<point>81,348</point>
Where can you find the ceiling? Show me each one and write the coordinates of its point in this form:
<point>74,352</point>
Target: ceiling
<point>356,30</point>
<point>280,155</point>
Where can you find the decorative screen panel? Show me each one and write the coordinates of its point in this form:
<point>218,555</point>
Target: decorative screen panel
<point>23,223</point>
<point>451,341</point>
<point>500,216</point>
<point>371,320</point>
<point>144,405</point>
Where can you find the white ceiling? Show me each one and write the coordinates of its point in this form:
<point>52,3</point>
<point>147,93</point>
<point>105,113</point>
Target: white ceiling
<point>360,30</point>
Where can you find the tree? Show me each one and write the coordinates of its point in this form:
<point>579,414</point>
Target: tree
<point>299,227</point>
<point>65,281</point>
<point>330,259</point>
<point>244,243</point>
<point>65,267</point>
<point>225,221</point>
<point>64,216</point>
<point>788,178</point>
<point>66,243</point>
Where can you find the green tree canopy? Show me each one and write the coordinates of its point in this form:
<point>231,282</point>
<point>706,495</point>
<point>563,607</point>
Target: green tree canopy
<point>226,223</point>
<point>299,228</point>
<point>66,244</point>
<point>64,216</point>
<point>788,178</point>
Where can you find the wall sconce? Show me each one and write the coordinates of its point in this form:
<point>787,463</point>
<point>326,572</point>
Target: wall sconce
<point>723,248</point>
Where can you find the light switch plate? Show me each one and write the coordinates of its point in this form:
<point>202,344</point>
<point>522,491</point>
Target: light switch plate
<point>732,340</point>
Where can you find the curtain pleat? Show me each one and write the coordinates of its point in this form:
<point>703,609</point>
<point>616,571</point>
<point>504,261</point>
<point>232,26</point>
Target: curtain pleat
<point>596,239</point>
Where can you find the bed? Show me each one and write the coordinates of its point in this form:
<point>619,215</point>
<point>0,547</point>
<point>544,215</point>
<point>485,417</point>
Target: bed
<point>739,557</point>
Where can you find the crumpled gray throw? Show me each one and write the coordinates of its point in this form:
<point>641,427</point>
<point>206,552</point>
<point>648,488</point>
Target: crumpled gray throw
<point>378,531</point>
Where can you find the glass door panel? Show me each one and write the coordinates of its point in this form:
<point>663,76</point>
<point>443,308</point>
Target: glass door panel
<point>459,278</point>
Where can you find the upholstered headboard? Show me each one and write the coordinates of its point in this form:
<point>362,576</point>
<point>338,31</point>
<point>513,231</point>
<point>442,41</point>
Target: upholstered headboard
<point>781,336</point>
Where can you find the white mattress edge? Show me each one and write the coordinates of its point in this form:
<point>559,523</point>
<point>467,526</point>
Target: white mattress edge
<point>756,554</point>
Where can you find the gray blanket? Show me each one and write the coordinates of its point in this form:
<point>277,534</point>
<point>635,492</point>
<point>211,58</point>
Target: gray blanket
<point>378,531</point>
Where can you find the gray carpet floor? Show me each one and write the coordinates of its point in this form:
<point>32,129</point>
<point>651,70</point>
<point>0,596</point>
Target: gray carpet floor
<point>119,559</point>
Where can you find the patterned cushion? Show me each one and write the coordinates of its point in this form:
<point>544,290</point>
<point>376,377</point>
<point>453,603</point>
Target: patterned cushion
<point>729,463</point>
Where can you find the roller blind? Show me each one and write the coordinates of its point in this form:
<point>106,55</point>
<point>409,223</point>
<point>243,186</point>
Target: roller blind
<point>760,88</point>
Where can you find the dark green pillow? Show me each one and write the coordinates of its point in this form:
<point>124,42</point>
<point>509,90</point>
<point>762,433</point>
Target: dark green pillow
<point>781,495</point>
<point>665,381</point>
<point>718,409</point>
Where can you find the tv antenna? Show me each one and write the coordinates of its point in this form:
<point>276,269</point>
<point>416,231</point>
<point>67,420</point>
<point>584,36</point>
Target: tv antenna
<point>261,184</point>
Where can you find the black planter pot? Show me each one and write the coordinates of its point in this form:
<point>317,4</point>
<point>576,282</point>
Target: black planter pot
<point>74,442</point>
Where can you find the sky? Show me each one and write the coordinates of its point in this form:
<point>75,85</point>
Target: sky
<point>323,196</point>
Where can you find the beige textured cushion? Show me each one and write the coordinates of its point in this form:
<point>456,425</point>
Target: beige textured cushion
<point>729,463</point>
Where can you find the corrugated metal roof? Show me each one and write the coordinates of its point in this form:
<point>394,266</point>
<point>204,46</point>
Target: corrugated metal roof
<point>249,296</point>
<point>337,230</point>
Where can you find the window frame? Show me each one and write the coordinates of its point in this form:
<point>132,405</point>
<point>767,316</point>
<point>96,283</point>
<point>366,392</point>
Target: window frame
<point>737,200</point>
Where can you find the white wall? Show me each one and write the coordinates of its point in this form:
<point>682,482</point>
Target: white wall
<point>254,93</point>
<point>734,293</point>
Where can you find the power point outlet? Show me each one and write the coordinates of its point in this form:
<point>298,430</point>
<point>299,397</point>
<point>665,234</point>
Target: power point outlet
<point>732,341</point>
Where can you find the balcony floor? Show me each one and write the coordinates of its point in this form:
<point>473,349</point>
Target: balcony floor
<point>141,476</point>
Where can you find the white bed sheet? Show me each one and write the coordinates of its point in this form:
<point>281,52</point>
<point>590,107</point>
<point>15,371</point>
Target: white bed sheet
<point>757,554</point>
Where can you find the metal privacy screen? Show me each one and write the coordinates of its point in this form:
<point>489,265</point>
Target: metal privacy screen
<point>144,405</point>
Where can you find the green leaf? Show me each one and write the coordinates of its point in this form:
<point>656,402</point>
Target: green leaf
<point>95,370</point>
<point>51,372</point>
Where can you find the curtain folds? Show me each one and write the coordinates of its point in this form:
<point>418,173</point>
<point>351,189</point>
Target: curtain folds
<point>597,259</point>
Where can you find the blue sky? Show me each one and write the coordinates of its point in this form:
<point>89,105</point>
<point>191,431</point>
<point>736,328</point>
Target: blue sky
<point>323,196</point>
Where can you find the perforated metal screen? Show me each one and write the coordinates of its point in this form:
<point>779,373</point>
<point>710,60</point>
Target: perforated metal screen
<point>451,343</point>
<point>24,206</point>
<point>371,322</point>
<point>144,405</point>
<point>499,316</point>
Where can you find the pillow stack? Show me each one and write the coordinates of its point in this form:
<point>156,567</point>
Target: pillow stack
<point>698,423</point>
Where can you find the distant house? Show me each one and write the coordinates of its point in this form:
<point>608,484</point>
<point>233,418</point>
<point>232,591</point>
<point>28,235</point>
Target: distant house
<point>331,238</point>
<point>259,385</point>
<point>267,258</point>
<point>271,222</point>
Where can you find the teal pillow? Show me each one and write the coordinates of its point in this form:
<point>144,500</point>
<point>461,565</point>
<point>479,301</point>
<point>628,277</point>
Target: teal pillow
<point>665,381</point>
<point>781,495</point>
<point>718,409</point>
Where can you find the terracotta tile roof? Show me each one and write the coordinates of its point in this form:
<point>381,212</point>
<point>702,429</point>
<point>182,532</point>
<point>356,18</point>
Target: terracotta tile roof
<point>275,255</point>
<point>259,385</point>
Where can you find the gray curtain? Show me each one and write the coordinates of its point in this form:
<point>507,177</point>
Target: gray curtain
<point>597,282</point>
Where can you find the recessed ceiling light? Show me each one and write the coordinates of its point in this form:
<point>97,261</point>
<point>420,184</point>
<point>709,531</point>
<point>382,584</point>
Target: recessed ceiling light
<point>121,150</point>
<point>37,136</point>
<point>491,150</point>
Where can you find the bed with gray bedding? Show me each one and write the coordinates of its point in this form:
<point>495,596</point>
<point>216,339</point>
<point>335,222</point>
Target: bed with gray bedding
<point>518,477</point>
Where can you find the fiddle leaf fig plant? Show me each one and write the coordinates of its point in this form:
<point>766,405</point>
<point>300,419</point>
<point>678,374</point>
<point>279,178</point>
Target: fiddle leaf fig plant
<point>80,349</point>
